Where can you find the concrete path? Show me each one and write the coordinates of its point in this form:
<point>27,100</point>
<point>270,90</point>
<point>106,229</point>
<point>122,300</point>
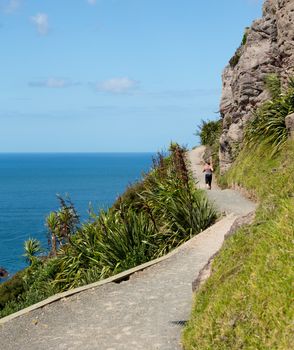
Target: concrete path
<point>227,201</point>
<point>145,312</point>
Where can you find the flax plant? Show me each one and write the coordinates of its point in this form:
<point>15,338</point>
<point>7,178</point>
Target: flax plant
<point>268,123</point>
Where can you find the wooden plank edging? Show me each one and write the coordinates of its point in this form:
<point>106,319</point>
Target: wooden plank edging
<point>111,279</point>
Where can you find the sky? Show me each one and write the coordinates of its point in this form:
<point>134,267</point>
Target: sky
<point>113,75</point>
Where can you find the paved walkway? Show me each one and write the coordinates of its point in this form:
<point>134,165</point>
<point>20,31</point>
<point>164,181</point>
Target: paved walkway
<point>146,312</point>
<point>227,201</point>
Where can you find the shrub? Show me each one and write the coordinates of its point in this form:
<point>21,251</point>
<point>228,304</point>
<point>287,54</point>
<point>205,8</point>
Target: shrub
<point>209,132</point>
<point>62,224</point>
<point>32,247</point>
<point>235,59</point>
<point>268,123</point>
<point>273,85</point>
<point>244,39</point>
<point>12,288</point>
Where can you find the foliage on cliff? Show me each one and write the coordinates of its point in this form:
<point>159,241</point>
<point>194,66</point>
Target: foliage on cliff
<point>209,133</point>
<point>268,123</point>
<point>149,220</point>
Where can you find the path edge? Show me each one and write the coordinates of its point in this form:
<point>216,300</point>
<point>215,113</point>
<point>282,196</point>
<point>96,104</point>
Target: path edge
<point>116,278</point>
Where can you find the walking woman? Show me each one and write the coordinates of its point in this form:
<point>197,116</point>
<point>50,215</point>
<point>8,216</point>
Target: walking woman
<point>208,170</point>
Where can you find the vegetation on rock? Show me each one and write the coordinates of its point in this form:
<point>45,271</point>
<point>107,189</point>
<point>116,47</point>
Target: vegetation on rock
<point>237,55</point>
<point>268,123</point>
<point>209,133</point>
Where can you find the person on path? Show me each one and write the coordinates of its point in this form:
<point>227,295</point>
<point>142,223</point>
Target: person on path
<point>208,170</point>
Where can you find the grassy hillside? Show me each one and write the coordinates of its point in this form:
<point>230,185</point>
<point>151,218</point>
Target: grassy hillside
<point>247,303</point>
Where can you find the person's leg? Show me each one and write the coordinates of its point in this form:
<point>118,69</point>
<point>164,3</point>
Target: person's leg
<point>209,181</point>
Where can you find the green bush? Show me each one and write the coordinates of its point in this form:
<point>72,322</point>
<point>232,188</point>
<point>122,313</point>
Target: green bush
<point>130,196</point>
<point>244,39</point>
<point>11,289</point>
<point>268,124</point>
<point>273,85</point>
<point>209,132</point>
<point>235,59</point>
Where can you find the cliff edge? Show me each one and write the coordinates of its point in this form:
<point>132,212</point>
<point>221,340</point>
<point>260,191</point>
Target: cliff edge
<point>267,47</point>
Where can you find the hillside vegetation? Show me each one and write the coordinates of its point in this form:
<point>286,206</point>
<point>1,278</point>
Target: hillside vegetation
<point>150,219</point>
<point>247,303</point>
<point>209,133</point>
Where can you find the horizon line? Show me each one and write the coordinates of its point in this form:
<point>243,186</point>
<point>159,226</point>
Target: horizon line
<point>74,152</point>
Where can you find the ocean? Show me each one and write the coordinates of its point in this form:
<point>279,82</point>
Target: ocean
<point>29,184</point>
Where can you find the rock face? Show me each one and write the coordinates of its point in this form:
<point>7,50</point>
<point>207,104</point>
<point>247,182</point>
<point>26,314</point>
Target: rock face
<point>290,125</point>
<point>267,47</point>
<point>3,273</point>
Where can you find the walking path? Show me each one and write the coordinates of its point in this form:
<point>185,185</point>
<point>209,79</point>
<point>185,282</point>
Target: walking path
<point>227,201</point>
<point>145,312</point>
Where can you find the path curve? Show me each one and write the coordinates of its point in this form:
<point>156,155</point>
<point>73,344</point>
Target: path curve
<point>227,201</point>
<point>146,312</point>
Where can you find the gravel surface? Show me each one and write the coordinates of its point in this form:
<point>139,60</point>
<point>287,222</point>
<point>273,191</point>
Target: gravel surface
<point>146,312</point>
<point>227,201</point>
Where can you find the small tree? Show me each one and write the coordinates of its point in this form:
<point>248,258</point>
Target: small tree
<point>32,247</point>
<point>62,224</point>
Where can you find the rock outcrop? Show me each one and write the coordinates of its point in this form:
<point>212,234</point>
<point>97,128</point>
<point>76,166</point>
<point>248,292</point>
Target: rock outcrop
<point>289,121</point>
<point>3,273</point>
<point>267,47</point>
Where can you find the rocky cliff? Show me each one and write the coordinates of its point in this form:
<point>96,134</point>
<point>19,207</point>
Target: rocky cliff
<point>267,47</point>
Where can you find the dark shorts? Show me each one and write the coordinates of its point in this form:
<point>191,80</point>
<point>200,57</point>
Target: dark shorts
<point>208,179</point>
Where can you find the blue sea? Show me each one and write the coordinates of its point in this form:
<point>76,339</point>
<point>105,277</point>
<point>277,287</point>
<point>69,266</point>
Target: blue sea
<point>29,184</point>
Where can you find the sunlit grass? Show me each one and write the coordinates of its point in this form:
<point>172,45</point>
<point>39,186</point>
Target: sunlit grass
<point>247,302</point>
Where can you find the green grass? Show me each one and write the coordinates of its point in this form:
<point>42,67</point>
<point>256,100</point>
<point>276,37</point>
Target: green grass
<point>267,177</point>
<point>247,302</point>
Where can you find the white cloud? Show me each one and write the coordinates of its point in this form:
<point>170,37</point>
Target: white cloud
<point>53,83</point>
<point>12,6</point>
<point>92,2</point>
<point>41,23</point>
<point>117,85</point>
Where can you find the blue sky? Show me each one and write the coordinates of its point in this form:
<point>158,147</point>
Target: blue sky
<point>113,75</point>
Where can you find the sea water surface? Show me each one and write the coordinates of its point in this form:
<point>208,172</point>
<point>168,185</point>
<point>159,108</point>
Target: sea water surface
<point>29,184</point>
